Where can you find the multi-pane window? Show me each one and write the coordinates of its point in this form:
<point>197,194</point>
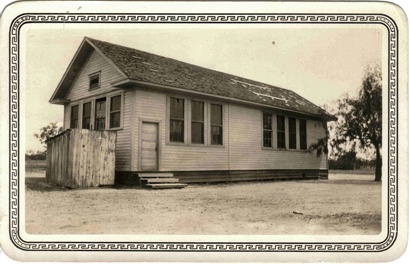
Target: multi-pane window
<point>267,130</point>
<point>74,116</point>
<point>281,131</point>
<point>197,122</point>
<point>292,133</point>
<point>115,111</point>
<point>302,134</point>
<point>95,81</point>
<point>86,115</point>
<point>216,124</point>
<point>177,119</point>
<point>100,113</point>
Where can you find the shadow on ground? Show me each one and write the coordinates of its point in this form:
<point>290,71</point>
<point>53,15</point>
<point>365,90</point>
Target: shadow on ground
<point>41,185</point>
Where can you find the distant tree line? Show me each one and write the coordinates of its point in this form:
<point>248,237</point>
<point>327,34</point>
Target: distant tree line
<point>39,155</point>
<point>349,161</point>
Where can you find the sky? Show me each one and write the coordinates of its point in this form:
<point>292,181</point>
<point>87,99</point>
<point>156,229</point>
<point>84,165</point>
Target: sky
<point>319,63</point>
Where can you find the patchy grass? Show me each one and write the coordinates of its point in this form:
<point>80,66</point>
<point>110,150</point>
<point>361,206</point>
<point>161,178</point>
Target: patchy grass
<point>344,204</point>
<point>354,172</point>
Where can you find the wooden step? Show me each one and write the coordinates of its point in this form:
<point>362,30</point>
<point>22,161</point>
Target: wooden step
<point>160,180</point>
<point>155,175</point>
<point>165,185</point>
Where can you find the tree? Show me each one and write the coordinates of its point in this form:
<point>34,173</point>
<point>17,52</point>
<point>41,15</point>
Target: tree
<point>48,132</point>
<point>360,118</point>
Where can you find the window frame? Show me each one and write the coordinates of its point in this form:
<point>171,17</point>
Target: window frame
<point>287,117</point>
<point>95,112</point>
<point>71,115</point>
<point>211,125</point>
<point>110,112</point>
<point>108,107</point>
<point>188,121</point>
<point>271,130</point>
<point>91,116</point>
<point>184,130</point>
<point>90,76</point>
<point>295,134</point>
<point>92,100</point>
<point>191,121</point>
<point>300,135</point>
<point>281,131</point>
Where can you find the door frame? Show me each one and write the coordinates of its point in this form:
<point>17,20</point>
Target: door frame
<point>159,151</point>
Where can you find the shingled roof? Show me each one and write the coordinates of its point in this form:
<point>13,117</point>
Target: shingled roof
<point>140,66</point>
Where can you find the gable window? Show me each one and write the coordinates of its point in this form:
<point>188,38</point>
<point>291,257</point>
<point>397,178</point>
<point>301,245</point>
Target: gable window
<point>292,133</point>
<point>86,115</point>
<point>281,131</point>
<point>74,116</point>
<point>267,130</point>
<point>216,124</point>
<point>94,81</point>
<point>115,111</point>
<point>100,112</point>
<point>177,119</point>
<point>197,122</point>
<point>302,134</point>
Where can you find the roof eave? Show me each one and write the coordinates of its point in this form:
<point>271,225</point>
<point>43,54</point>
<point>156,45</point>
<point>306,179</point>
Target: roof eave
<point>77,61</point>
<point>67,72</point>
<point>59,101</point>
<point>126,83</point>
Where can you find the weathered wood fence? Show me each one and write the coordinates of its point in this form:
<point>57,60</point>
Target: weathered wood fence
<point>79,158</point>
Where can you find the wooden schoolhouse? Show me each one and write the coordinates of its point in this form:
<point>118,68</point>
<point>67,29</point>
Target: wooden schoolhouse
<point>175,119</point>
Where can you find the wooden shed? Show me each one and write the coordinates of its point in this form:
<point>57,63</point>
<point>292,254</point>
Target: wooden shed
<point>79,158</point>
<point>197,124</point>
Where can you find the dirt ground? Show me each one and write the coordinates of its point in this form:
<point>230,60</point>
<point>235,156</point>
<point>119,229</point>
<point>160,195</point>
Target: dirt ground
<point>347,203</point>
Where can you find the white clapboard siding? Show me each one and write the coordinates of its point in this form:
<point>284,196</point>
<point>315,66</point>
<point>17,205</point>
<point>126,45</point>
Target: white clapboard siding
<point>80,90</point>
<point>150,106</point>
<point>95,63</point>
<point>246,144</point>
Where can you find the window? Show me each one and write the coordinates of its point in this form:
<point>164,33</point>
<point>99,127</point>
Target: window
<point>74,116</point>
<point>95,81</point>
<point>267,130</point>
<point>100,112</point>
<point>176,123</point>
<point>194,122</point>
<point>197,122</point>
<point>292,133</point>
<point>115,111</point>
<point>281,131</point>
<point>216,124</point>
<point>86,115</point>
<point>302,134</point>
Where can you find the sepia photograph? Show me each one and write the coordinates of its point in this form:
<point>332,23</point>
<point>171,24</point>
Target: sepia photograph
<point>156,130</point>
<point>204,131</point>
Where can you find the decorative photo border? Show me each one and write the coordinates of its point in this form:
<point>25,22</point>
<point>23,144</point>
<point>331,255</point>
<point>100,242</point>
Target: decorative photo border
<point>198,18</point>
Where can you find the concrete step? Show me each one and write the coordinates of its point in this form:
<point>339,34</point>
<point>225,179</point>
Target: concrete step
<point>155,175</point>
<point>159,180</point>
<point>165,185</point>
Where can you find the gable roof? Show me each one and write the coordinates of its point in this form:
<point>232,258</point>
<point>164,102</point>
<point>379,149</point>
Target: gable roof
<point>140,66</point>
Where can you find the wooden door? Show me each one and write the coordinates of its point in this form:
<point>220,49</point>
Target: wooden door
<point>149,146</point>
